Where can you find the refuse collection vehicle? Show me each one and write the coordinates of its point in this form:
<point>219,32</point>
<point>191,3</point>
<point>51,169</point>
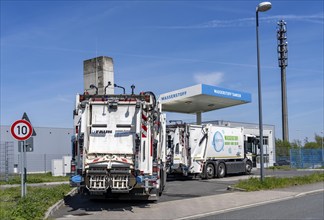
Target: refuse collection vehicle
<point>209,151</point>
<point>119,145</point>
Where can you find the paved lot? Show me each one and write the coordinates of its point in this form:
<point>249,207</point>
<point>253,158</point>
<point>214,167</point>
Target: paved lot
<point>175,192</point>
<point>192,208</point>
<point>301,207</point>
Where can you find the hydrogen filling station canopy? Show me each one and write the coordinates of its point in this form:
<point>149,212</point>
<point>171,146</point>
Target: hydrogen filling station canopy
<point>202,98</point>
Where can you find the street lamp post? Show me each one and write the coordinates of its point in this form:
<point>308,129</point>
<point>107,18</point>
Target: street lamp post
<point>262,7</point>
<point>322,149</point>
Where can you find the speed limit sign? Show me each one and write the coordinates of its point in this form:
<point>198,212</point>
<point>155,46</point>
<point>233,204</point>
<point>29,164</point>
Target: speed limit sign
<point>21,130</point>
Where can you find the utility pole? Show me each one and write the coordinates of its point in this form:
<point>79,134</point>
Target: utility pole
<point>283,63</point>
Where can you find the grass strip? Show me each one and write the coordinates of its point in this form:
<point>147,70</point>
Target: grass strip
<point>34,205</point>
<point>285,167</point>
<point>254,183</point>
<point>36,178</point>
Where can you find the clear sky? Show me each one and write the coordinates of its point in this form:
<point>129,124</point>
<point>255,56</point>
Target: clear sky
<point>162,46</point>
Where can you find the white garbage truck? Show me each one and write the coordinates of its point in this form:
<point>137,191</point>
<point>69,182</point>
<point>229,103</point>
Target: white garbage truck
<point>209,151</point>
<point>119,145</point>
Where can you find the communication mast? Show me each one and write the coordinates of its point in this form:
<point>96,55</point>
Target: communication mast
<point>283,63</point>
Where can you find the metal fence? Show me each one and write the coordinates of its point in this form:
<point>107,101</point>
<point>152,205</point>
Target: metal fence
<point>306,158</point>
<point>10,161</point>
<point>40,163</point>
<point>6,160</point>
<point>282,158</point>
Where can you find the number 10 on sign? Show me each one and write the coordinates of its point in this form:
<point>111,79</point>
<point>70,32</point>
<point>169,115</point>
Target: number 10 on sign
<point>21,130</point>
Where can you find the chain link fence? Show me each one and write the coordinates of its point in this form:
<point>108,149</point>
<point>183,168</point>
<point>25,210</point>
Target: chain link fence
<point>36,163</point>
<point>306,158</point>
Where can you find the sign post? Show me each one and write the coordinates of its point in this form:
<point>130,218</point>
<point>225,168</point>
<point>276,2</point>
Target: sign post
<point>21,130</point>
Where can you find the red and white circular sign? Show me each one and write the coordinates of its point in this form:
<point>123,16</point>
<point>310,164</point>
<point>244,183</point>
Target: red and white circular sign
<point>21,130</point>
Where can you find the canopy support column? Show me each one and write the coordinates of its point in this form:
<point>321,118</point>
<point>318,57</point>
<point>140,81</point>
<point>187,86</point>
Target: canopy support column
<point>198,118</point>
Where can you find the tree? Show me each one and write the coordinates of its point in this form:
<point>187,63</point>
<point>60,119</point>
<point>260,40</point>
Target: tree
<point>311,145</point>
<point>296,144</point>
<point>314,145</point>
<point>319,140</point>
<point>282,148</point>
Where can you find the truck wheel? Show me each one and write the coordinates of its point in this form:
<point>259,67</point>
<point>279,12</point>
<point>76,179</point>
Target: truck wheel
<point>248,167</point>
<point>221,169</point>
<point>210,171</point>
<point>162,183</point>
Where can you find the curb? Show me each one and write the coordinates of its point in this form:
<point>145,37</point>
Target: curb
<point>57,205</point>
<point>232,188</point>
<point>310,170</point>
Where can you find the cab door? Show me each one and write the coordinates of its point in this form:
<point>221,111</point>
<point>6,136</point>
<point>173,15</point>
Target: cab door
<point>251,148</point>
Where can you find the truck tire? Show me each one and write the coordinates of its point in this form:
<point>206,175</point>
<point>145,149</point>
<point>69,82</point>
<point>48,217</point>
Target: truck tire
<point>210,171</point>
<point>162,183</point>
<point>248,167</point>
<point>221,170</point>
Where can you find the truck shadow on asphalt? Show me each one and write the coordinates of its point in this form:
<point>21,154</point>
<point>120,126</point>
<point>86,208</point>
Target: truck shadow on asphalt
<point>78,203</point>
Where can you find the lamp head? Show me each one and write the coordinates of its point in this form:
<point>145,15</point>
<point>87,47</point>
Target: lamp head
<point>264,6</point>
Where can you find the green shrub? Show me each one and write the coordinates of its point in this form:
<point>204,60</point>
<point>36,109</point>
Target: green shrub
<point>284,167</point>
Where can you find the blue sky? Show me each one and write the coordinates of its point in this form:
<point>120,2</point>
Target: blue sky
<point>162,46</point>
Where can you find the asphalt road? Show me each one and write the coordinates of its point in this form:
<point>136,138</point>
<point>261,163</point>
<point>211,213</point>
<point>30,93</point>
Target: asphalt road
<point>304,207</point>
<point>176,190</point>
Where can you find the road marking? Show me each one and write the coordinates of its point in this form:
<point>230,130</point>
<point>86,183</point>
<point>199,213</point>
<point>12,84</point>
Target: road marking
<point>310,192</point>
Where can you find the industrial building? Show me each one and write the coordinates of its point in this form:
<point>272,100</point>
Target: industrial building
<point>48,144</point>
